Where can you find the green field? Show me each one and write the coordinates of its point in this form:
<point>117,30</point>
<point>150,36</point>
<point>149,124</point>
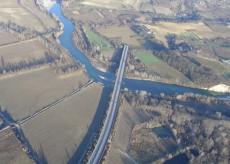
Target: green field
<point>188,35</point>
<point>106,49</point>
<point>213,45</point>
<point>96,40</point>
<point>214,65</point>
<point>148,59</point>
<point>226,74</point>
<point>165,71</point>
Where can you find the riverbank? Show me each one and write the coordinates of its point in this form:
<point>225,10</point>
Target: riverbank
<point>221,88</point>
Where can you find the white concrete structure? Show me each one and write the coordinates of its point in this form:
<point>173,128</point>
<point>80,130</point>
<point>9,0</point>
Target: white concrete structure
<point>48,4</point>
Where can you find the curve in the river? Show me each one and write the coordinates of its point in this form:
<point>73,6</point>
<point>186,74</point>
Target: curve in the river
<point>153,87</point>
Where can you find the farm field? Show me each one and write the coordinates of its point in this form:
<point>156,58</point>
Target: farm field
<point>148,59</point>
<point>162,10</point>
<point>50,23</point>
<point>223,52</point>
<point>209,35</point>
<point>2,32</point>
<point>110,4</point>
<point>11,10</point>
<point>25,93</point>
<point>24,50</point>
<point>214,65</point>
<point>218,27</point>
<point>11,150</point>
<point>199,29</point>
<point>101,4</point>
<point>179,28</point>
<point>166,71</point>
<point>6,38</point>
<point>69,126</point>
<point>126,34</point>
<point>96,40</point>
<point>147,7</point>
<point>189,35</point>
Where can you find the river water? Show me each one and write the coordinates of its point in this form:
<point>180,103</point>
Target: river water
<point>149,86</point>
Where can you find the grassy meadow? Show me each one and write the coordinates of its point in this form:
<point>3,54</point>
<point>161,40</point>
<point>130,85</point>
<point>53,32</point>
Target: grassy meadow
<point>106,49</point>
<point>166,71</point>
<point>148,59</point>
<point>189,35</point>
<point>163,69</point>
<point>96,40</point>
<point>226,74</point>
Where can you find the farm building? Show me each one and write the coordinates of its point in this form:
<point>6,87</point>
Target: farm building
<point>146,29</point>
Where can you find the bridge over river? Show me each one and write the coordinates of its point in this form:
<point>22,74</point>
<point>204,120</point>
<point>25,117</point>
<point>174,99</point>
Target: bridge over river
<point>104,136</point>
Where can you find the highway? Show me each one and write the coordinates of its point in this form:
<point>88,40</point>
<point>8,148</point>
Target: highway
<point>104,136</point>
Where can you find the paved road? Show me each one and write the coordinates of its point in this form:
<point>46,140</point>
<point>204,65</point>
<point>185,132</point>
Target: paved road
<point>104,136</point>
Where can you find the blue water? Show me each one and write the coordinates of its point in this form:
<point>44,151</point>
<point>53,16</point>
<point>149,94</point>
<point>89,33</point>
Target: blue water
<point>152,87</point>
<point>180,159</point>
<point>162,132</point>
<point>194,152</point>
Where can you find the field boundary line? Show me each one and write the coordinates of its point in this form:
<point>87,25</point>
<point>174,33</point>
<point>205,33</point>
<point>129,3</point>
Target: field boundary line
<point>54,103</point>
<point>5,128</point>
<point>18,42</point>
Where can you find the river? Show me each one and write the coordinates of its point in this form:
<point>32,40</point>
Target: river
<point>149,86</point>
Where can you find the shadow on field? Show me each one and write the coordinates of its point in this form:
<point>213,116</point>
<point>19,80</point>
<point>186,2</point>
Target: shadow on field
<point>39,155</point>
<point>126,160</point>
<point>93,128</point>
<point>6,115</point>
<point>116,59</point>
